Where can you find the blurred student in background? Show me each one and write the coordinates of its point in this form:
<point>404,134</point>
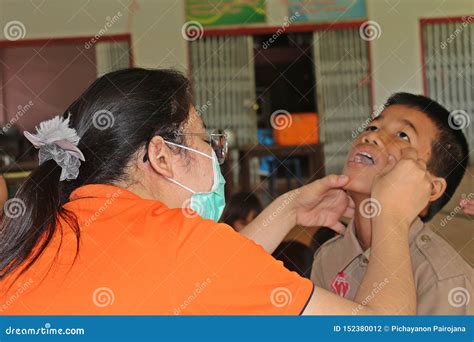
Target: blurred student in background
<point>241,209</point>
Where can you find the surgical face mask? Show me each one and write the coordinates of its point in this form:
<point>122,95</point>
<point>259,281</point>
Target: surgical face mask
<point>209,205</point>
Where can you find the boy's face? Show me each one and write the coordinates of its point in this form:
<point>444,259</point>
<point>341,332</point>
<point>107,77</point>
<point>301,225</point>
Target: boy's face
<point>396,128</point>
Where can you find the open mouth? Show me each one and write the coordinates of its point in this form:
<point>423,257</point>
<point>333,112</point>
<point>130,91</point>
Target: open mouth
<point>363,158</point>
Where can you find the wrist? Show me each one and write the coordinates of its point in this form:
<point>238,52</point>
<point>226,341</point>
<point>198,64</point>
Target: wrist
<point>288,204</point>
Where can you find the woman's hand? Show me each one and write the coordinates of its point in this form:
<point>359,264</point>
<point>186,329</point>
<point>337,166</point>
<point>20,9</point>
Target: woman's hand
<point>323,203</point>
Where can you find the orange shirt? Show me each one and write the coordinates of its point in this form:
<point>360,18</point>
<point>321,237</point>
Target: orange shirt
<point>138,256</point>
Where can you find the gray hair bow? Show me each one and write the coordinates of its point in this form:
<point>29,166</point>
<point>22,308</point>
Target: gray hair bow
<point>56,140</point>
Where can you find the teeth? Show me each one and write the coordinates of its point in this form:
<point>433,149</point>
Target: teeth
<point>366,154</point>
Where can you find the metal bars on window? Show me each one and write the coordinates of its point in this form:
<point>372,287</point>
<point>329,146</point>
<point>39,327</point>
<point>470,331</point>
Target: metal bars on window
<point>449,69</point>
<point>343,90</point>
<point>222,72</point>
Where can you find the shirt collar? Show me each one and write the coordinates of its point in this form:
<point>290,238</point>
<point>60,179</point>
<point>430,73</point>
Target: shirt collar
<point>352,248</point>
<point>101,191</point>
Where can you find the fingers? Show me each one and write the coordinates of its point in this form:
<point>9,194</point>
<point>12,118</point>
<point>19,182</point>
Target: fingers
<point>349,213</point>
<point>339,228</point>
<point>411,153</point>
<point>329,182</point>
<point>392,161</point>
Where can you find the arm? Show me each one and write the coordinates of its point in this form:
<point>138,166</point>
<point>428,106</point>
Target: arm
<point>320,203</point>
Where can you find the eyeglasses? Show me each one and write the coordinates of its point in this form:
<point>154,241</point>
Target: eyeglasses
<point>218,141</point>
<point>216,138</point>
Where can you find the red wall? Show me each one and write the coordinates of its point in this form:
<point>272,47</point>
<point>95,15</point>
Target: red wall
<point>50,76</point>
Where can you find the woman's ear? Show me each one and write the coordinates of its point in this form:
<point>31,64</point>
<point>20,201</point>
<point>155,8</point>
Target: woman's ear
<point>160,157</point>
<point>438,187</point>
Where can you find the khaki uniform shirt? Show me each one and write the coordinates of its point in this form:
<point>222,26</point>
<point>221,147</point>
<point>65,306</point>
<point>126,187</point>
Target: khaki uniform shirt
<point>443,279</point>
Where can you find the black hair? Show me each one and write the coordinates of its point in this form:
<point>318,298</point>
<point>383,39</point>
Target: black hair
<point>449,150</point>
<point>239,206</point>
<point>115,118</point>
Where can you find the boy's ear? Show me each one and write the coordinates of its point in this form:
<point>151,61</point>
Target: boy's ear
<point>438,187</point>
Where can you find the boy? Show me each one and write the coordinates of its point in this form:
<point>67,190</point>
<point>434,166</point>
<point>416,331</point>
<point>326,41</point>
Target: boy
<point>443,279</point>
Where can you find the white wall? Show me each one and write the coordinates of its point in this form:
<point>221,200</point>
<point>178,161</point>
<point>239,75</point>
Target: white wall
<point>396,55</point>
<point>155,26</point>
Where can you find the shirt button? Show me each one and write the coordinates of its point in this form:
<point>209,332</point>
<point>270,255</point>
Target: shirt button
<point>425,238</point>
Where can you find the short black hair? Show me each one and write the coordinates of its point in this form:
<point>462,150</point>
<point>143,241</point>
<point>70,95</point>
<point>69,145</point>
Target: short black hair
<point>239,206</point>
<point>449,150</point>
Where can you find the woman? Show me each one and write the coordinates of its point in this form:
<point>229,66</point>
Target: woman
<point>106,227</point>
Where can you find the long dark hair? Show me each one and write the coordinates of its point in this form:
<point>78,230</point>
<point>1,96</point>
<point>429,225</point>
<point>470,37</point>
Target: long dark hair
<point>115,118</point>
